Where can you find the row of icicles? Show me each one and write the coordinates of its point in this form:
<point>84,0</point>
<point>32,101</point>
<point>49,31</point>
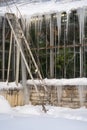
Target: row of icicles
<point>81,13</point>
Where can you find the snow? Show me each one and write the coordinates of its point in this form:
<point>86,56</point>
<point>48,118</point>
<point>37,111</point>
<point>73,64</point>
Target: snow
<point>12,85</point>
<point>56,112</point>
<point>40,123</point>
<point>4,105</point>
<point>33,9</point>
<point>30,117</point>
<point>48,82</point>
<point>60,82</point>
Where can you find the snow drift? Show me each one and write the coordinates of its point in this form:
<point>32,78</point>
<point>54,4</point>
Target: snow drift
<point>4,105</point>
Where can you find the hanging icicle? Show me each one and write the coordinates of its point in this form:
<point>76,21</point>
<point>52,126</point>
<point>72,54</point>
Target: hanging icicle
<point>47,17</point>
<point>40,18</point>
<point>59,93</point>
<point>81,16</point>
<point>36,21</point>
<point>81,90</point>
<point>28,26</point>
<point>58,15</point>
<point>67,24</point>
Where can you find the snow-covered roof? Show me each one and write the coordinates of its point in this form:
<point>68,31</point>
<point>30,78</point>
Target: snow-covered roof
<point>48,7</point>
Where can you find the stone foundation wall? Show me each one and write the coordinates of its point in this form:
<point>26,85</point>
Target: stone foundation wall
<point>65,96</point>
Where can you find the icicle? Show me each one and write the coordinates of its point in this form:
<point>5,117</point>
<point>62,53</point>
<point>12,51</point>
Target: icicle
<point>81,90</point>
<point>26,96</point>
<point>59,94</point>
<point>58,15</point>
<point>23,22</point>
<point>36,27</point>
<point>28,21</point>
<point>39,25</point>
<point>81,16</point>
<point>47,17</point>
<point>28,24</point>
<point>67,24</point>
<point>40,18</point>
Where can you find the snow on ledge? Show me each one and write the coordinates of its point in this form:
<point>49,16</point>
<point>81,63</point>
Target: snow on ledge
<point>60,82</point>
<point>47,82</point>
<point>11,85</point>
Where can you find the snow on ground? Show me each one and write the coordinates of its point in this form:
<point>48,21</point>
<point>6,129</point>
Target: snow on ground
<point>4,105</point>
<point>30,117</point>
<point>52,111</point>
<point>32,9</point>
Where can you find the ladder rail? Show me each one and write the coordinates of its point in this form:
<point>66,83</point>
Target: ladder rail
<point>27,45</point>
<point>28,69</point>
<point>23,56</point>
<point>23,36</point>
<point>38,71</point>
<point>9,58</point>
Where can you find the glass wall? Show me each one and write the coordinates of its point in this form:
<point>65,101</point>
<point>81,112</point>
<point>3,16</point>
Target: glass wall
<point>69,55</point>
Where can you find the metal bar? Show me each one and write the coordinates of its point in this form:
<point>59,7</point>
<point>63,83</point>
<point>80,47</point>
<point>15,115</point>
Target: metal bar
<point>9,59</point>
<point>51,50</point>
<point>17,63</point>
<point>28,69</point>
<point>3,53</point>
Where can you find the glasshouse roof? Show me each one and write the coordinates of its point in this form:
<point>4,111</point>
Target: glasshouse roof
<point>40,7</point>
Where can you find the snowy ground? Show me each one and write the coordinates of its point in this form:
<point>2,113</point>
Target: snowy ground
<point>33,118</point>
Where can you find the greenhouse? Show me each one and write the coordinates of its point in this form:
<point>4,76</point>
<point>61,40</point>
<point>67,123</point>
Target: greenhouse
<point>57,38</point>
<point>42,42</point>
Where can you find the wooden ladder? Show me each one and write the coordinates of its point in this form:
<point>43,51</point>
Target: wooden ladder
<point>19,36</point>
